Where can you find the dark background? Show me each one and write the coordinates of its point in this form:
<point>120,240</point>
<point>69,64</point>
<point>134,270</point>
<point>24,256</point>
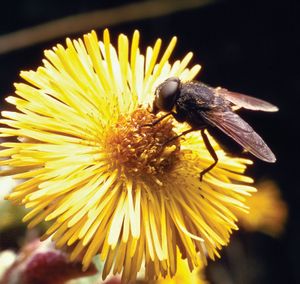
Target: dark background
<point>247,46</point>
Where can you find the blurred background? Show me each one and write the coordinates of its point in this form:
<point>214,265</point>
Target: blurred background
<point>247,46</point>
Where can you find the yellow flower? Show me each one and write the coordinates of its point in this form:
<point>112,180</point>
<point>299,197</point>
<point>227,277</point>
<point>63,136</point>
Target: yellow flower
<point>106,185</point>
<point>267,211</point>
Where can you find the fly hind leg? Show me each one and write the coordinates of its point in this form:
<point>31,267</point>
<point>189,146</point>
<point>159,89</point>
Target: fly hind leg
<point>211,151</point>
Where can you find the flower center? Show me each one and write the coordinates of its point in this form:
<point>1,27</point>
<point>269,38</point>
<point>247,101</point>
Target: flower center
<point>138,149</point>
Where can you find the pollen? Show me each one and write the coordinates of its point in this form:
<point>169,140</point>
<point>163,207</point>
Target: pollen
<point>138,147</point>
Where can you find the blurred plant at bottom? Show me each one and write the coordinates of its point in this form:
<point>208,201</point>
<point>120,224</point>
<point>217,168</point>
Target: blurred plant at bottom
<point>39,262</point>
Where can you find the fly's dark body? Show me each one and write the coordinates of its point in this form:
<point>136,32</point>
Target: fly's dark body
<point>202,106</point>
<point>196,98</point>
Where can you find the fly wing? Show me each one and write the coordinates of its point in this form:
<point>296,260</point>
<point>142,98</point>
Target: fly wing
<point>240,131</point>
<point>245,101</point>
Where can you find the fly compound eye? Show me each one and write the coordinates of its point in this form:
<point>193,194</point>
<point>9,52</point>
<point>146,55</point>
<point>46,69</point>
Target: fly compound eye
<point>166,94</point>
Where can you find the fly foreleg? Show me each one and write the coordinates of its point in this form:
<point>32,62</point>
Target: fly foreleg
<point>156,121</point>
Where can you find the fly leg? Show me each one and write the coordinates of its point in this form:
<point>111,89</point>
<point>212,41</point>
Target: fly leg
<point>181,117</point>
<point>157,120</point>
<point>211,152</point>
<point>177,136</point>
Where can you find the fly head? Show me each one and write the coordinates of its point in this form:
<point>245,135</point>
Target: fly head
<point>166,94</point>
